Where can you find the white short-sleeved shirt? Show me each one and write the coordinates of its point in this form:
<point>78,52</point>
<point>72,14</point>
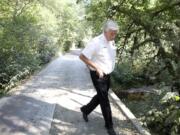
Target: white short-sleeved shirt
<point>102,53</point>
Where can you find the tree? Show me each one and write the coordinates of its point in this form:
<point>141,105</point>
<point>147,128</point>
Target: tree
<point>149,34</point>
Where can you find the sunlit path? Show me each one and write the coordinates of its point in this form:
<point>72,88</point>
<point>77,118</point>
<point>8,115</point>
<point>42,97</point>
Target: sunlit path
<point>55,95</point>
<point>47,100</point>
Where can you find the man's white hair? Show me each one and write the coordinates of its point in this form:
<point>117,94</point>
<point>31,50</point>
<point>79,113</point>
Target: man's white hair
<point>110,25</point>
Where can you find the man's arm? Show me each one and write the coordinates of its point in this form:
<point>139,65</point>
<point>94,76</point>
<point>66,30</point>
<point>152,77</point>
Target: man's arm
<point>91,64</point>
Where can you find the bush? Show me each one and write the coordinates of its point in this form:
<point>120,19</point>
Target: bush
<point>125,77</point>
<point>9,79</point>
<point>80,44</point>
<point>15,68</point>
<point>66,46</point>
<point>46,50</point>
<point>166,120</point>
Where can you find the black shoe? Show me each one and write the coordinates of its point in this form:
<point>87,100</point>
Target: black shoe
<point>111,131</point>
<point>85,117</point>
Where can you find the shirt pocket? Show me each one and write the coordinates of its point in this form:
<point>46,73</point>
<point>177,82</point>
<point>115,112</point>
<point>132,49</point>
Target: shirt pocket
<point>104,52</point>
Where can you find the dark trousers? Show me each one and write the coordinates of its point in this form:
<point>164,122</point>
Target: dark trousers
<point>102,86</point>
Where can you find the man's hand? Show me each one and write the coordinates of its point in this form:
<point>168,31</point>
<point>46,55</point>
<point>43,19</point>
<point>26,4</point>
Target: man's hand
<point>92,64</point>
<point>100,72</point>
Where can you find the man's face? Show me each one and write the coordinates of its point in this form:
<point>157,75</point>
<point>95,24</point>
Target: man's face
<point>111,34</point>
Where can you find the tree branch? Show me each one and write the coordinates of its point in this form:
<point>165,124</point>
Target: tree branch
<point>19,10</point>
<point>23,8</point>
<point>142,43</point>
<point>165,8</point>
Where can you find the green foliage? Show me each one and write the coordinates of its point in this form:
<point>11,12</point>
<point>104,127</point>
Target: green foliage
<point>80,44</point>
<point>32,32</point>
<point>148,42</point>
<point>167,119</point>
<point>67,46</point>
<point>148,35</point>
<point>71,25</point>
<point>17,39</point>
<point>46,50</point>
<point>124,77</point>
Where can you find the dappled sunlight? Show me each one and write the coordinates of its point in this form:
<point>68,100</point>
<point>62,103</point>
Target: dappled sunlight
<point>64,85</point>
<point>49,35</point>
<point>27,115</point>
<point>71,122</point>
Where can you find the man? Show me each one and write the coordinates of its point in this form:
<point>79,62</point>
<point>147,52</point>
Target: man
<point>100,55</point>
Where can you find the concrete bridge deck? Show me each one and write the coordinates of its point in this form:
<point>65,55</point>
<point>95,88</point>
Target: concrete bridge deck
<point>49,104</point>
